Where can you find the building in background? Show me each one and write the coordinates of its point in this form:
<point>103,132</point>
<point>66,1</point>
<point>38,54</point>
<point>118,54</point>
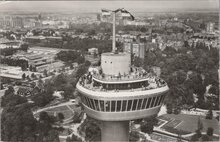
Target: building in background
<point>210,27</point>
<point>93,51</point>
<point>11,22</point>
<point>137,49</point>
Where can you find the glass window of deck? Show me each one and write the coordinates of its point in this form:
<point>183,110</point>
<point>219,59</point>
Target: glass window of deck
<point>129,105</point>
<point>148,103</point>
<point>134,104</point>
<point>139,104</point>
<point>153,101</point>
<point>102,105</point>
<point>124,105</point>
<point>144,103</point>
<point>113,103</point>
<point>118,106</point>
<point>107,106</point>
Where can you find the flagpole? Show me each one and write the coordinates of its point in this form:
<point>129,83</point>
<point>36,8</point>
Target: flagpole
<point>113,37</point>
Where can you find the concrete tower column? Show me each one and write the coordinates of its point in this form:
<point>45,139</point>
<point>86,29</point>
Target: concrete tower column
<point>115,131</point>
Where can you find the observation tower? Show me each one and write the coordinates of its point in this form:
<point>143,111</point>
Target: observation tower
<point>117,92</point>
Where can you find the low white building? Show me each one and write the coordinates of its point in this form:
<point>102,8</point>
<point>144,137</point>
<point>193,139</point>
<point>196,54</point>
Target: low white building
<point>93,51</point>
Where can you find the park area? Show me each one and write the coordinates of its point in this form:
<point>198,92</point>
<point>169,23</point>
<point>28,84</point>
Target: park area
<point>66,110</point>
<point>187,124</point>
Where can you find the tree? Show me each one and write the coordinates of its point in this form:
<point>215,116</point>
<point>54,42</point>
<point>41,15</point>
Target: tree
<point>23,76</point>
<point>18,123</point>
<point>68,91</point>
<point>87,63</point>
<point>169,108</point>
<point>40,84</point>
<point>81,71</point>
<point>80,59</point>
<point>205,138</point>
<point>195,138</point>
<point>44,117</point>
<point>179,137</point>
<point>60,81</point>
<point>143,29</point>
<point>209,115</point>
<point>74,138</point>
<point>34,69</point>
<point>60,116</point>
<point>45,73</point>
<point>68,139</point>
<point>1,86</point>
<point>134,136</point>
<point>24,47</point>
<point>10,90</point>
<point>71,66</point>
<point>28,78</point>
<point>90,127</point>
<point>33,76</point>
<point>148,124</point>
<point>91,32</point>
<point>43,98</point>
<point>209,131</point>
<point>12,100</point>
<point>30,68</point>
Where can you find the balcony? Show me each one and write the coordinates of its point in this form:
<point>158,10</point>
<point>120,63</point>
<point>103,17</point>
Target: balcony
<point>87,82</point>
<point>136,73</point>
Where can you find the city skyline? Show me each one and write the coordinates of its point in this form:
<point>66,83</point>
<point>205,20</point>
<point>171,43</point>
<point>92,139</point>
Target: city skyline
<point>95,6</point>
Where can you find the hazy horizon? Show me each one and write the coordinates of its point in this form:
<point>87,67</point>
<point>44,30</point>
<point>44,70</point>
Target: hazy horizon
<point>95,6</point>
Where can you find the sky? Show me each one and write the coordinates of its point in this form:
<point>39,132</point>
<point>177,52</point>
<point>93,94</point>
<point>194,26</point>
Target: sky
<point>95,6</point>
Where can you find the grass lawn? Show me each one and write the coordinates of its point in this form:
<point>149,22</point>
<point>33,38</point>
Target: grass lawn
<point>63,109</point>
<point>160,122</point>
<point>60,108</point>
<point>73,106</point>
<point>189,122</point>
<point>173,123</point>
<point>67,113</point>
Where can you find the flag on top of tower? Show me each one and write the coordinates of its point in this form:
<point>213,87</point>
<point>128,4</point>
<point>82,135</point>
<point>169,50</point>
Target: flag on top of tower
<point>125,13</point>
<point>106,12</point>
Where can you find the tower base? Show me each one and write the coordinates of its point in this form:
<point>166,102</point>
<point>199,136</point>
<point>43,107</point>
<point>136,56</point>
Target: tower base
<point>115,131</point>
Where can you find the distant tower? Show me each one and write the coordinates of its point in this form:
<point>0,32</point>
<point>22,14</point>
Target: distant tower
<point>120,92</point>
<point>98,17</point>
<point>39,17</point>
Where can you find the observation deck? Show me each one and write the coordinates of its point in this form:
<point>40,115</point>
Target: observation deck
<point>117,91</point>
<point>126,97</point>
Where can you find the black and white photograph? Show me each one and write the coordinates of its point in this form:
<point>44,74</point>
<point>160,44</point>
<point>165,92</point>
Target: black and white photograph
<point>109,71</point>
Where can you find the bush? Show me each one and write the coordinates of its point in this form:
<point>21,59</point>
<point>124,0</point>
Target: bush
<point>134,136</point>
<point>210,131</point>
<point>209,115</point>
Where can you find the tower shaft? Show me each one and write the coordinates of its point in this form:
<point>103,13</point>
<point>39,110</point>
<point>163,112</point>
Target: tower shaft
<point>115,131</point>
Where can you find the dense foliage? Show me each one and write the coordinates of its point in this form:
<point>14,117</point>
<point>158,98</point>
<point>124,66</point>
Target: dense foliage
<point>90,127</point>
<point>187,71</point>
<point>147,125</point>
<point>15,62</point>
<point>71,56</point>
<point>19,124</point>
<point>10,50</point>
